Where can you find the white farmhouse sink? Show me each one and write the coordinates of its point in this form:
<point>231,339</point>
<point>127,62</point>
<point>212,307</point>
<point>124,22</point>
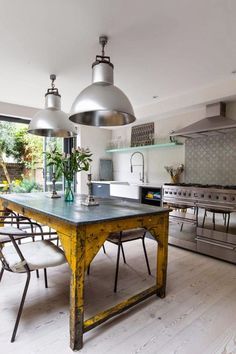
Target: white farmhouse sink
<point>124,190</point>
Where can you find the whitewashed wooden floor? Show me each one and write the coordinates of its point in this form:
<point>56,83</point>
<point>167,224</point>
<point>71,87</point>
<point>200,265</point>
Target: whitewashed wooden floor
<point>198,314</point>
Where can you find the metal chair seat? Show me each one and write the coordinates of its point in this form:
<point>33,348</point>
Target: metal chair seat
<point>19,233</point>
<point>37,255</point>
<point>220,211</point>
<point>127,235</point>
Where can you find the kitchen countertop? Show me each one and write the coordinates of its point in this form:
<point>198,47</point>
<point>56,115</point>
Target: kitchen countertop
<point>103,182</point>
<point>151,185</point>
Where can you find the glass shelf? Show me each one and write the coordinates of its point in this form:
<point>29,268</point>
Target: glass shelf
<point>154,146</point>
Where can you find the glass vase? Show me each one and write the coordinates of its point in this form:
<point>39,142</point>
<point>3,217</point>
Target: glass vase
<point>69,193</point>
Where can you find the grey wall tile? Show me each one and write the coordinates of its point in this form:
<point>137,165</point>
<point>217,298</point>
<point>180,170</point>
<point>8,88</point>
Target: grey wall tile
<point>211,160</point>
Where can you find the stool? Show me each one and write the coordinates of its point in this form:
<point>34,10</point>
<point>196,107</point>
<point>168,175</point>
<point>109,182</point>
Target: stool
<point>225,213</point>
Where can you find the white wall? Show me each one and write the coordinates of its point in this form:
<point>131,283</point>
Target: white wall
<point>96,139</point>
<point>155,159</point>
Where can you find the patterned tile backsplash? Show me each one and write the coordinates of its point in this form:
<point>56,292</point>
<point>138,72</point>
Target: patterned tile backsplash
<point>211,160</point>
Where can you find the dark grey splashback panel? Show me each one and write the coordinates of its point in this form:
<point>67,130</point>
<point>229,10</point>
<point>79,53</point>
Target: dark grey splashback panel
<point>211,160</point>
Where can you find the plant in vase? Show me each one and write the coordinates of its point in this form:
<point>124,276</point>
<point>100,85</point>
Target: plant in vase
<point>175,172</point>
<point>67,165</point>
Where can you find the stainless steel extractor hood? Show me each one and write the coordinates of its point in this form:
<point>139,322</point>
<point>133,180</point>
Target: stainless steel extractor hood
<point>215,123</point>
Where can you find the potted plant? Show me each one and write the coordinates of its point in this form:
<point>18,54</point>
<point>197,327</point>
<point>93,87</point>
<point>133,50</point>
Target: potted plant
<point>175,172</point>
<point>67,165</point>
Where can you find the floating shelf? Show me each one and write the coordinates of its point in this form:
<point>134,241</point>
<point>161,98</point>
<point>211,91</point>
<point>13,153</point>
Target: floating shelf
<point>154,146</point>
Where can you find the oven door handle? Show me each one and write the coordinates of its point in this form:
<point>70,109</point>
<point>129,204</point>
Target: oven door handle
<point>215,244</point>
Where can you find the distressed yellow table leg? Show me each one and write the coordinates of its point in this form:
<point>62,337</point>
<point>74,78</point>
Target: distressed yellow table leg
<point>162,258</point>
<point>74,247</point>
<point>77,307</point>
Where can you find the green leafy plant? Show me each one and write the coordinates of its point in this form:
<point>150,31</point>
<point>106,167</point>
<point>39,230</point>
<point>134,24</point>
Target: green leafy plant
<point>7,131</point>
<point>68,164</point>
<point>25,186</point>
<point>28,149</point>
<point>17,143</point>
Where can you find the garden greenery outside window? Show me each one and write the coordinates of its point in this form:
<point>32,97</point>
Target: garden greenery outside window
<point>23,166</point>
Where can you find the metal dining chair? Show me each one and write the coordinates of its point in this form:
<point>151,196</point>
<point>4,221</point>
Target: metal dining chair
<point>118,238</point>
<point>225,213</point>
<point>11,222</point>
<point>25,257</point>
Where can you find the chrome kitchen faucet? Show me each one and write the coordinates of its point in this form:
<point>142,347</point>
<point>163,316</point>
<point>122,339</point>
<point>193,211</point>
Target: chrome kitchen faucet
<point>131,165</point>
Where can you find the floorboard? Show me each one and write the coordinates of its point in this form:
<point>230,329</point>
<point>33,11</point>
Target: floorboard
<point>197,315</point>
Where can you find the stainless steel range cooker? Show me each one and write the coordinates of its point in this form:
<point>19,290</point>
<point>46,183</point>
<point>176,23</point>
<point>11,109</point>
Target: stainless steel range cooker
<point>213,200</point>
<point>193,194</point>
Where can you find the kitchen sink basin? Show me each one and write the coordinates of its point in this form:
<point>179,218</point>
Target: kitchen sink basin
<point>125,190</point>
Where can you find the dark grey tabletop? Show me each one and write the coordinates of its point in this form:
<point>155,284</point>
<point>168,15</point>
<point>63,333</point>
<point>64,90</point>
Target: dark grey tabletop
<point>75,213</point>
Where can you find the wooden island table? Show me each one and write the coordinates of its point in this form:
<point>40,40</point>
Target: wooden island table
<point>82,231</point>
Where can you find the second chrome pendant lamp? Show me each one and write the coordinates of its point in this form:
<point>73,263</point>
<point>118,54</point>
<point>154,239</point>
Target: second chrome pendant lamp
<point>102,103</point>
<point>52,121</point>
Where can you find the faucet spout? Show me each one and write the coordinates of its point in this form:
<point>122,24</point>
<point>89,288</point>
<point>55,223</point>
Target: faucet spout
<point>142,165</point>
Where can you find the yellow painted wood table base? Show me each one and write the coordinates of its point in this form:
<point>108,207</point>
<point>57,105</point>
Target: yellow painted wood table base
<point>81,242</point>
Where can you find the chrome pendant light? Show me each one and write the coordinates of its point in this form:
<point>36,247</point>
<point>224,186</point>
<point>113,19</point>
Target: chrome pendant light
<point>102,103</point>
<point>51,121</point>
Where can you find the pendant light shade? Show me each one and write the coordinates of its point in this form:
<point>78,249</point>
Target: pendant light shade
<point>102,103</point>
<point>52,121</point>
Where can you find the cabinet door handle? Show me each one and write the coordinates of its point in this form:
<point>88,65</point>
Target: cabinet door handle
<point>215,244</point>
<point>99,186</point>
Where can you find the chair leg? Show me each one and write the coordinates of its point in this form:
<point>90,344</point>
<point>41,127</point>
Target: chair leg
<point>1,273</point>
<point>146,257</point>
<point>88,270</point>
<point>117,267</point>
<point>227,225</point>
<point>45,278</point>
<point>123,253</point>
<point>20,308</point>
<point>224,218</point>
<point>204,218</point>
<point>214,221</point>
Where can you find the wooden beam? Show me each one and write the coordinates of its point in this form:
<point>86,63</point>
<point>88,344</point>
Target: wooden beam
<point>121,307</point>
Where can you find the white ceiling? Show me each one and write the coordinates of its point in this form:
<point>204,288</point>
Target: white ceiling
<point>159,47</point>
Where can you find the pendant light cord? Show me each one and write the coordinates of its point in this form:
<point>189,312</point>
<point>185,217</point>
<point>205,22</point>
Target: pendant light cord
<point>103,49</point>
<point>53,89</point>
<point>102,58</point>
<point>53,78</point>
